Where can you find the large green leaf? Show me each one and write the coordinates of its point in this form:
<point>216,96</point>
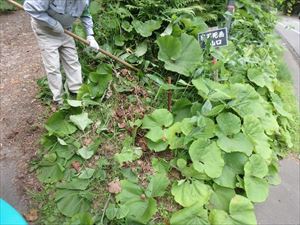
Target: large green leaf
<point>50,174</point>
<point>57,124</point>
<point>227,178</point>
<point>81,120</point>
<point>241,211</point>
<point>157,186</point>
<point>181,55</point>
<point>89,151</point>
<point>252,127</point>
<point>238,143</point>
<point>187,193</point>
<point>207,158</point>
<point>141,209</point>
<point>229,123</point>
<point>175,137</point>
<point>257,189</point>
<point>278,105</point>
<point>194,215</point>
<point>128,154</point>
<point>82,219</point>
<point>221,197</point>
<point>236,161</point>
<point>256,166</point>
<point>160,117</point>
<point>74,184</point>
<point>146,28</point>
<point>70,202</point>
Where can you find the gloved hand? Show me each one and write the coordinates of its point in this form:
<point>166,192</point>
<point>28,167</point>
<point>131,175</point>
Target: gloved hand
<point>93,42</point>
<point>58,28</point>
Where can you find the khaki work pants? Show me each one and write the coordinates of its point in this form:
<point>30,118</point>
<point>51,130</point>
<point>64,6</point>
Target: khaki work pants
<point>56,49</point>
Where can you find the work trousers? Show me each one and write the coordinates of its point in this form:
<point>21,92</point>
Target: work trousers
<point>57,49</point>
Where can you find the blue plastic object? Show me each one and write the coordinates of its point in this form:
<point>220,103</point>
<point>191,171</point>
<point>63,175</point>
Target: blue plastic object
<point>9,215</point>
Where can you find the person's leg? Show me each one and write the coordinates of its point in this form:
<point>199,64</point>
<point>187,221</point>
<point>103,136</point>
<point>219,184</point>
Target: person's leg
<point>71,65</point>
<point>49,45</point>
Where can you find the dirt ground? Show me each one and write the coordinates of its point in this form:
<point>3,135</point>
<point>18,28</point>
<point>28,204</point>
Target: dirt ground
<point>21,115</point>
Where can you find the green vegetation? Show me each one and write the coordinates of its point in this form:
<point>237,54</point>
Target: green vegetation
<point>116,155</point>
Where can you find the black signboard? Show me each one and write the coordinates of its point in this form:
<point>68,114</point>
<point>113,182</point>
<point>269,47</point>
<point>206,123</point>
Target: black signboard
<point>218,37</point>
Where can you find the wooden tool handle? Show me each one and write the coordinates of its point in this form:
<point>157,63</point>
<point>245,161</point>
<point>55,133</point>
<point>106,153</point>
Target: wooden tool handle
<point>87,43</point>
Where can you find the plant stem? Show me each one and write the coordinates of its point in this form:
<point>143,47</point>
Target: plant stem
<point>105,208</point>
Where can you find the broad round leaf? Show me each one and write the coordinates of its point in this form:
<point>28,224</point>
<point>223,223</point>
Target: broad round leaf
<point>229,123</point>
<point>256,166</point>
<point>57,124</point>
<point>238,143</point>
<point>188,193</point>
<point>210,156</point>
<point>221,197</point>
<point>194,215</point>
<point>81,120</point>
<point>257,189</point>
<point>184,61</point>
<point>145,29</point>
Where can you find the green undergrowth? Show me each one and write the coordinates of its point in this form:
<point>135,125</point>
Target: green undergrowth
<point>116,155</point>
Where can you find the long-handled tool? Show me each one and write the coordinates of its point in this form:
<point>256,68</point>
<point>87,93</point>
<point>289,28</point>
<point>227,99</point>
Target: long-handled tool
<point>87,43</point>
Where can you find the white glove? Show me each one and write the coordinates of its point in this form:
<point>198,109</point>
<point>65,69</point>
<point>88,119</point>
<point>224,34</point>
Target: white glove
<point>58,28</point>
<point>93,42</point>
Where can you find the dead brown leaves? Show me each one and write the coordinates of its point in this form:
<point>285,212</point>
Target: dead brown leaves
<point>32,215</point>
<point>114,187</point>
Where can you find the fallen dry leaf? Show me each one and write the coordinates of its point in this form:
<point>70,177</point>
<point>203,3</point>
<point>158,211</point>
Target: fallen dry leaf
<point>87,141</point>
<point>76,165</point>
<point>32,215</point>
<point>114,187</point>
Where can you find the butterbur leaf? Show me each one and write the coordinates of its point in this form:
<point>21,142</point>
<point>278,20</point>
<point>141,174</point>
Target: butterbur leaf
<point>57,124</point>
<point>221,197</point>
<point>50,174</point>
<point>207,157</point>
<point>146,28</point>
<point>82,219</point>
<point>141,49</point>
<point>175,136</point>
<point>128,154</point>
<point>74,103</point>
<point>160,117</point>
<point>70,202</point>
<point>74,184</point>
<point>257,189</point>
<point>81,120</point>
<point>157,185</point>
<point>238,143</point>
<point>278,105</point>
<point>227,178</point>
<point>140,208</point>
<point>252,127</point>
<point>241,211</point>
<point>111,211</point>
<point>229,123</point>
<point>85,153</point>
<point>157,146</point>
<point>198,192</point>
<point>256,166</point>
<point>194,215</point>
<point>181,55</point>
<point>86,173</point>
<point>236,161</point>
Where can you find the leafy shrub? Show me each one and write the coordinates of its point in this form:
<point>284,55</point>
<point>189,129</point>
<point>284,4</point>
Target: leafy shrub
<point>213,157</point>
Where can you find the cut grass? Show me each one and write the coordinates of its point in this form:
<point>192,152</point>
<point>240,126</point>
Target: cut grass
<point>291,102</point>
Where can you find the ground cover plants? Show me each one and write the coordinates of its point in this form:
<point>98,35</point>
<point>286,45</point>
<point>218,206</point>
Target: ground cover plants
<point>116,155</point>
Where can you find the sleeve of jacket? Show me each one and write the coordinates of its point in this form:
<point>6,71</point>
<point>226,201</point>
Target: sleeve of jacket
<point>87,20</point>
<point>38,10</point>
